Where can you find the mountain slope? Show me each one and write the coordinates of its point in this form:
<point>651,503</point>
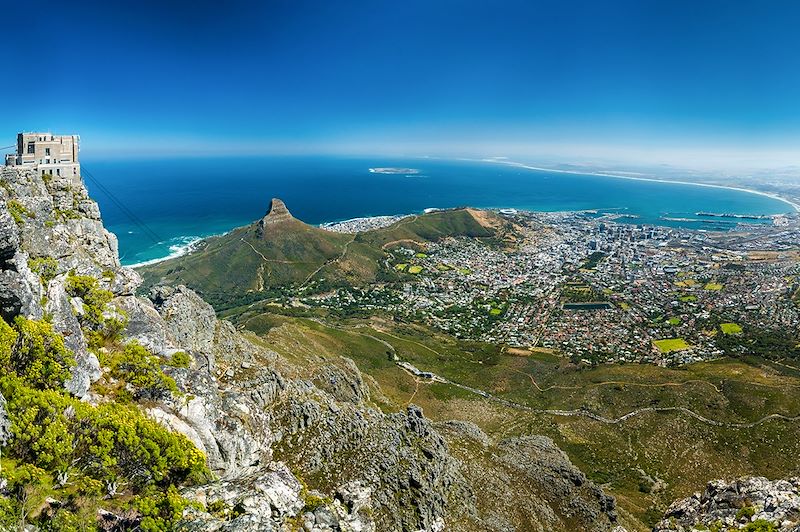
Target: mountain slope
<point>253,262</point>
<point>274,251</point>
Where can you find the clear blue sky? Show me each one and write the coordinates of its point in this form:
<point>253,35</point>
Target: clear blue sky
<point>409,76</point>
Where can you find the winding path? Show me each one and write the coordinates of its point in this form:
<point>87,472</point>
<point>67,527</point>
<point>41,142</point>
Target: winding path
<point>331,261</point>
<point>615,421</point>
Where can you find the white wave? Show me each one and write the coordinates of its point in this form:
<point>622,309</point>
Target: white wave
<point>182,246</point>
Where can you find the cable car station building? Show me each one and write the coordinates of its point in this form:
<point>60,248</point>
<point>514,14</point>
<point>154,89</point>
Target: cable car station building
<point>46,153</point>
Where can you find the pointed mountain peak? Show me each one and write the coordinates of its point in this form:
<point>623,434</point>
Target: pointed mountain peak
<point>277,213</point>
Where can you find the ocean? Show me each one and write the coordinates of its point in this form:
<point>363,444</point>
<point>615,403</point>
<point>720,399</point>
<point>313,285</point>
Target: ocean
<point>159,207</point>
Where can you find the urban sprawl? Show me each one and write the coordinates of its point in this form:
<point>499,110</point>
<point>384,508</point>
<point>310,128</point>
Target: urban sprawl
<point>592,287</point>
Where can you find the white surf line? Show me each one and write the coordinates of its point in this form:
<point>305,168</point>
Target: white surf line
<point>794,205</point>
<point>179,252</point>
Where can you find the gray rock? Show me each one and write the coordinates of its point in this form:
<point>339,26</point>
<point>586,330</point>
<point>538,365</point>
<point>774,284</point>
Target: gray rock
<point>343,381</point>
<point>776,501</point>
<point>5,424</point>
<point>189,319</point>
<point>60,307</point>
<point>263,500</point>
<point>146,326</point>
<point>9,239</point>
<point>65,223</point>
<point>20,289</point>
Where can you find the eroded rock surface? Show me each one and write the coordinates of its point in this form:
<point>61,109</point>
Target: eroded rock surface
<point>734,505</point>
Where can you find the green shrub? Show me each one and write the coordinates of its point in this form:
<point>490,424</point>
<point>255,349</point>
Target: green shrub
<point>39,356</point>
<point>99,330</point>
<point>161,511</point>
<point>19,212</point>
<point>760,525</point>
<point>45,267</point>
<point>108,443</point>
<point>180,359</point>
<point>8,337</point>
<point>96,453</point>
<point>136,366</point>
<point>745,513</point>
<point>94,298</point>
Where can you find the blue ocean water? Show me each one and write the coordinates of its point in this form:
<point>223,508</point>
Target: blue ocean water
<point>181,200</point>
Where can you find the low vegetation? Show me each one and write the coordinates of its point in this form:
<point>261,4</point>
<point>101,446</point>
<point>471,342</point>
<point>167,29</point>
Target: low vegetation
<point>85,457</point>
<point>19,212</point>
<point>101,327</point>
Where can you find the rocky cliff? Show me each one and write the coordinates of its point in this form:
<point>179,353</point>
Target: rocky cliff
<point>287,452</point>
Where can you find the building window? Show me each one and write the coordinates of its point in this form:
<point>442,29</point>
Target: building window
<point>47,151</point>
<point>58,171</point>
<point>30,147</point>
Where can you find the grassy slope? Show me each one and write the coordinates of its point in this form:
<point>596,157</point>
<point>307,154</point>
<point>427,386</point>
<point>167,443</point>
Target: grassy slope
<point>240,262</point>
<point>627,458</point>
<point>240,267</point>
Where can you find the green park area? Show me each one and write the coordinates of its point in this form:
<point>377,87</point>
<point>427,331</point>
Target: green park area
<point>730,328</point>
<point>668,345</point>
<point>713,286</point>
<point>414,269</point>
<point>401,267</point>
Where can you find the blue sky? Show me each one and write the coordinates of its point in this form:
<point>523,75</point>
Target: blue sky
<point>640,78</point>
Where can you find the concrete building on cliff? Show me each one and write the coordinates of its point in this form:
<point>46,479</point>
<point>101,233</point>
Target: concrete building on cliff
<point>46,153</point>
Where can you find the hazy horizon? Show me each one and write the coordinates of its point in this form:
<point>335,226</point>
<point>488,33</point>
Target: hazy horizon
<point>709,86</point>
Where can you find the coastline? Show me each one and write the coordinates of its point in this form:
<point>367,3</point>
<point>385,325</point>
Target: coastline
<point>177,250</point>
<point>792,204</point>
<point>186,244</point>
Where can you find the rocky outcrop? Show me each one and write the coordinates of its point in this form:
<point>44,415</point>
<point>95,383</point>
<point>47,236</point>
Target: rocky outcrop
<point>563,484</point>
<point>733,505</point>
<point>60,220</point>
<point>343,382</point>
<point>401,457</point>
<point>276,214</point>
<point>526,483</point>
<point>20,289</point>
<point>4,422</point>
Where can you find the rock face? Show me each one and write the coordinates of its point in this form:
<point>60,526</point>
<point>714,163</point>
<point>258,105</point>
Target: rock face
<point>53,219</point>
<point>527,483</point>
<point>731,506</point>
<point>276,214</point>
